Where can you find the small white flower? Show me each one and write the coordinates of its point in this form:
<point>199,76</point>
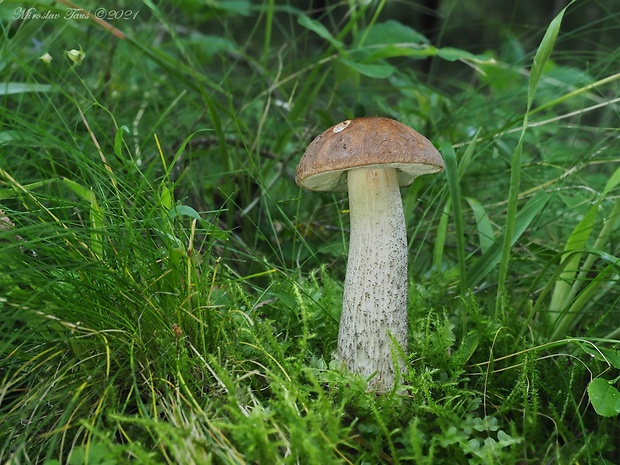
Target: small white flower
<point>47,58</point>
<point>76,56</point>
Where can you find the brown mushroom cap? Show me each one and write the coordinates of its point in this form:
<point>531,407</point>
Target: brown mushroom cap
<point>366,143</point>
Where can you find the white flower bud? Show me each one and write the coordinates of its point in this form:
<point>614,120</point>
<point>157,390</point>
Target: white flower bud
<point>76,56</point>
<point>47,58</point>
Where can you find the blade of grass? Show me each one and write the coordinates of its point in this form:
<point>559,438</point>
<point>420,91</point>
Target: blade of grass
<point>440,239</point>
<point>454,188</point>
<point>96,215</point>
<point>522,220</point>
<point>540,60</point>
<point>485,229</point>
<point>575,311</point>
<point>569,283</point>
<point>268,28</point>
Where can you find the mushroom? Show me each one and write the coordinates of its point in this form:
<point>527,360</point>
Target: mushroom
<point>371,158</point>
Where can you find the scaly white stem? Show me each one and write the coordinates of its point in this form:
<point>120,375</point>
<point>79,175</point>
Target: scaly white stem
<point>375,289</point>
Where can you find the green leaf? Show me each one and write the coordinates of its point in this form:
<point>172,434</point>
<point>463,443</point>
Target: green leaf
<point>183,210</point>
<point>97,217</point>
<point>604,397</point>
<point>9,136</point>
<point>468,156</point>
<point>12,193</point>
<point>166,199</point>
<point>78,189</point>
<point>376,70</point>
<point>602,354</point>
<point>392,32</point>
<point>454,54</point>
<point>543,53</point>
<point>454,187</point>
<point>319,30</point>
<point>375,52</point>
<point>119,139</point>
<point>483,223</point>
<point>570,314</point>
<point>379,52</point>
<point>522,220</point>
<point>10,88</point>
<point>576,241</point>
<point>468,346</point>
<point>186,210</point>
<point>442,233</point>
<point>96,214</point>
<point>239,7</point>
<point>95,454</point>
<point>613,181</point>
<point>611,356</point>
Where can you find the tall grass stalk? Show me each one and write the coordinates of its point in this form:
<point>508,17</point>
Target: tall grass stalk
<point>540,60</point>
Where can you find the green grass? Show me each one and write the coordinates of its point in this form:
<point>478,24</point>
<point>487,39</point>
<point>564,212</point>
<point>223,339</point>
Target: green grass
<point>169,295</point>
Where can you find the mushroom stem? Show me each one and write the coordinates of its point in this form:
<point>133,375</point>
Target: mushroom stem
<point>375,289</point>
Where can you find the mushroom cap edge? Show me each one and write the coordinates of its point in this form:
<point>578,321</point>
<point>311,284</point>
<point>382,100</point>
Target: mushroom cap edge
<point>373,142</point>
